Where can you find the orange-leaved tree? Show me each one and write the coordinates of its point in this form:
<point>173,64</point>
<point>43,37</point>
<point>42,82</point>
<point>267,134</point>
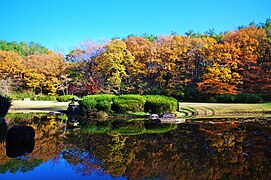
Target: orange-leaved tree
<point>248,40</point>
<point>140,48</point>
<point>221,75</point>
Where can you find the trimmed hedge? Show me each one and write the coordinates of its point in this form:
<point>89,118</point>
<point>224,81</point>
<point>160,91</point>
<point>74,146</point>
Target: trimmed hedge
<point>129,103</point>
<point>5,103</point>
<point>94,103</point>
<point>65,98</point>
<point>159,104</point>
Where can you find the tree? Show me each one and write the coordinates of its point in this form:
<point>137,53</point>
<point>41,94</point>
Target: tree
<point>23,49</point>
<point>248,41</point>
<point>221,75</point>
<point>169,65</point>
<point>140,48</point>
<point>112,65</point>
<point>81,69</point>
<point>11,70</point>
<point>44,72</point>
<point>264,60</point>
<point>152,38</point>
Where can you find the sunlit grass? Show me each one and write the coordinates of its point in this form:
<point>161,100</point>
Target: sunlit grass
<point>216,109</point>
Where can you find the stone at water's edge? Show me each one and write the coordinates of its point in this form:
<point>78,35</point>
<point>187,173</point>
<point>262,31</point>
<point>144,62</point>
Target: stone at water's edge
<point>20,135</point>
<point>20,140</point>
<point>168,115</point>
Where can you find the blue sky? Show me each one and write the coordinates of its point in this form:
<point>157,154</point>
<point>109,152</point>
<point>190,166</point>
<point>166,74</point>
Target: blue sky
<point>63,24</point>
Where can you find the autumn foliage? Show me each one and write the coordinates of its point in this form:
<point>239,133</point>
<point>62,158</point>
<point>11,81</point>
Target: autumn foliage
<point>189,66</point>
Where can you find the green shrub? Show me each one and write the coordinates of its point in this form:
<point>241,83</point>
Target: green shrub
<point>88,103</point>
<point>179,95</point>
<point>32,96</point>
<point>103,105</point>
<point>266,97</point>
<point>45,98</point>
<point>102,97</point>
<point>65,98</point>
<point>226,98</point>
<point>211,100</point>
<point>159,104</point>
<point>22,95</point>
<point>248,98</point>
<point>129,103</point>
<point>5,103</point>
<point>100,102</point>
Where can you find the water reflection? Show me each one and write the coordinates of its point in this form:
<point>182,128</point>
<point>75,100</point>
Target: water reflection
<point>143,149</point>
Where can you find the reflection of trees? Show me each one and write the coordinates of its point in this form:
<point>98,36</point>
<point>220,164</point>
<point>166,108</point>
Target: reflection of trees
<point>128,128</point>
<point>187,151</point>
<point>204,151</point>
<point>19,164</point>
<point>3,131</point>
<point>49,135</point>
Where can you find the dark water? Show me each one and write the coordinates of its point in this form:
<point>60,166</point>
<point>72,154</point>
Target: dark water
<point>127,149</point>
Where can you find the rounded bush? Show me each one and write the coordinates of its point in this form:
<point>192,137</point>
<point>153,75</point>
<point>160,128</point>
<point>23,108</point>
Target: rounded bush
<point>100,102</point>
<point>103,106</point>
<point>129,103</point>
<point>159,104</point>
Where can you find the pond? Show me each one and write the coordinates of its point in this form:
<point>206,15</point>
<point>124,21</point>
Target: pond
<point>133,149</point>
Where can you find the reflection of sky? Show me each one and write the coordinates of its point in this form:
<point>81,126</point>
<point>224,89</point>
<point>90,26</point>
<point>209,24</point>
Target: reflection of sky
<point>51,170</point>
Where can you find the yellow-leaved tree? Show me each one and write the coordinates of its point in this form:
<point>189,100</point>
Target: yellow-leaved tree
<point>221,75</point>
<point>114,65</point>
<point>44,72</point>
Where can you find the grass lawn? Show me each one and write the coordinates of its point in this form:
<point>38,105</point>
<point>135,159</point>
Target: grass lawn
<point>223,109</point>
<point>37,106</point>
<point>191,109</point>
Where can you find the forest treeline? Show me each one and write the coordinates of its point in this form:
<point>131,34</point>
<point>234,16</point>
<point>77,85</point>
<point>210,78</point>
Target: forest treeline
<point>191,66</point>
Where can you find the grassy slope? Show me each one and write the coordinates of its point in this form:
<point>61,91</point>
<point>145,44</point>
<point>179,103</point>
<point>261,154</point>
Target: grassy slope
<point>219,109</point>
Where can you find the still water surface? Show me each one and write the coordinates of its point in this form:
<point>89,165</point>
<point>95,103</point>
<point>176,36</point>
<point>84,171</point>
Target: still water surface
<point>129,149</point>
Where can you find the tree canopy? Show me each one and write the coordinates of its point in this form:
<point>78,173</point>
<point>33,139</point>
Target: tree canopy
<point>186,66</point>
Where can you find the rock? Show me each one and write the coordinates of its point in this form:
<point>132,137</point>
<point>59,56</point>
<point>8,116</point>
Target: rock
<point>20,140</point>
<point>181,114</point>
<point>153,116</point>
<point>168,115</point>
<point>21,135</point>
